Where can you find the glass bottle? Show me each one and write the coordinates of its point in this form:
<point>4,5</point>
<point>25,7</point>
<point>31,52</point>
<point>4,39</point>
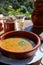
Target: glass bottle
<point>37,15</point>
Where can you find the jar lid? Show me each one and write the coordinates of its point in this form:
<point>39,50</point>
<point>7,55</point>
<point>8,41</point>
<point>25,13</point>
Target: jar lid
<point>9,19</point>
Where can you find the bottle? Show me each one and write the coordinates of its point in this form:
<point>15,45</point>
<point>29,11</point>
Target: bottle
<point>37,15</point>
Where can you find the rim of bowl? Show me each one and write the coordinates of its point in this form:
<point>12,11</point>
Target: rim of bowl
<point>34,48</point>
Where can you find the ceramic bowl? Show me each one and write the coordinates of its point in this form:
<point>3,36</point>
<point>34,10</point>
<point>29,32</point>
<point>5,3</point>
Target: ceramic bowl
<point>21,34</point>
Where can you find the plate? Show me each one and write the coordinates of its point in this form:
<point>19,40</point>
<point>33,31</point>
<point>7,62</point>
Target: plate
<point>37,57</point>
<point>31,28</point>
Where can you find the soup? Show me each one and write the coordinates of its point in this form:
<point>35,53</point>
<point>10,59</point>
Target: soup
<point>16,45</point>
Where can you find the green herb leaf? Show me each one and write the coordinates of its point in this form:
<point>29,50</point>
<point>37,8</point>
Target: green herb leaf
<point>22,42</point>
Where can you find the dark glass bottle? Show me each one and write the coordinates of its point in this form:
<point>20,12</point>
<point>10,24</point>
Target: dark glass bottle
<point>37,16</point>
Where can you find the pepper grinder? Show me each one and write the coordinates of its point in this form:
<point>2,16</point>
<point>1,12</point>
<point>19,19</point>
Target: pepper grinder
<point>37,15</point>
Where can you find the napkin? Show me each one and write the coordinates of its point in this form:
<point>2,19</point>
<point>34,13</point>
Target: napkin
<point>41,36</point>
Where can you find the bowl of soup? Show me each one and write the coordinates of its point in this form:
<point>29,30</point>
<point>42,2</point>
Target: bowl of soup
<point>19,44</point>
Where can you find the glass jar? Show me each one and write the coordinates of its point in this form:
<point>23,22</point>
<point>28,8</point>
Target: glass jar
<point>9,24</point>
<point>19,22</point>
<point>37,15</point>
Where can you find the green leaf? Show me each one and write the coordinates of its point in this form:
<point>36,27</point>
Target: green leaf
<point>22,43</point>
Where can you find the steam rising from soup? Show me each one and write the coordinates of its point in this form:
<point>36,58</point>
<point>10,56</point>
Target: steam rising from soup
<point>16,45</point>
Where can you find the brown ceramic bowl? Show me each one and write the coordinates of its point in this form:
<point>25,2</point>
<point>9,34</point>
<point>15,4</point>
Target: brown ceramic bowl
<point>21,34</point>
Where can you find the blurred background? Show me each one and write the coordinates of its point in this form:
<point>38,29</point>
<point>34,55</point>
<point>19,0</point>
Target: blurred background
<point>13,7</point>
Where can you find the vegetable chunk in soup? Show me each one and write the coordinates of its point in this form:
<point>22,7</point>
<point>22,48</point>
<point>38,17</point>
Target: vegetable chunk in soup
<point>16,45</point>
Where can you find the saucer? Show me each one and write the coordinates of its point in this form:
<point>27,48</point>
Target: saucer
<point>37,57</point>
